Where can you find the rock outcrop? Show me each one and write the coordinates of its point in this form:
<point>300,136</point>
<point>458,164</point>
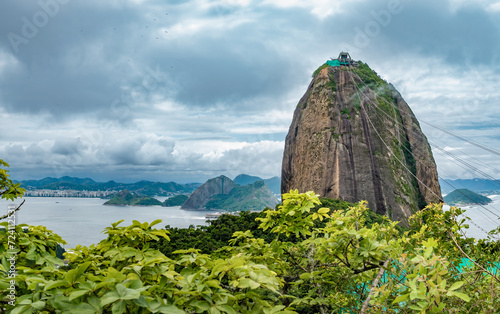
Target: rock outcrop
<point>198,199</point>
<point>353,137</point>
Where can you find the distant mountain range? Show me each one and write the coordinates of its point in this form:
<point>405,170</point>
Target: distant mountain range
<point>142,187</point>
<point>476,185</point>
<point>148,188</point>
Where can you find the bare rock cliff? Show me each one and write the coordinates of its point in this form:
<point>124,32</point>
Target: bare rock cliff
<point>353,137</point>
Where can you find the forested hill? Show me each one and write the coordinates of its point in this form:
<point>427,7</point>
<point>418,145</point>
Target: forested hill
<point>142,187</point>
<point>274,183</point>
<point>222,193</point>
<point>125,198</point>
<point>465,197</point>
<point>255,197</point>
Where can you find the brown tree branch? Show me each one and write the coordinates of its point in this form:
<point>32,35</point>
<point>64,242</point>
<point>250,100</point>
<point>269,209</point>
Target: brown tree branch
<point>15,210</point>
<point>374,284</point>
<point>485,270</point>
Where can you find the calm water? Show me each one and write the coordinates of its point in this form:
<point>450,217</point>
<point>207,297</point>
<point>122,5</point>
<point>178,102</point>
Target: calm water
<point>485,217</point>
<point>81,220</point>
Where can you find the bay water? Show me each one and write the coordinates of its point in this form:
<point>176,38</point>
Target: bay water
<point>82,220</point>
<point>482,218</point>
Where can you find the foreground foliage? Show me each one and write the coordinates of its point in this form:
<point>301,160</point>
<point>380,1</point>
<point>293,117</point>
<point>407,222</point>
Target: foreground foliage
<point>310,259</point>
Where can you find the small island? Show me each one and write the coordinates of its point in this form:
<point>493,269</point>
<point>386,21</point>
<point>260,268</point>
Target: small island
<point>127,198</point>
<point>466,197</point>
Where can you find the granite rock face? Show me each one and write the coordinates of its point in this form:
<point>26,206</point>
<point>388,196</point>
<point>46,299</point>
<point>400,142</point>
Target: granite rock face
<point>353,137</point>
<point>198,199</point>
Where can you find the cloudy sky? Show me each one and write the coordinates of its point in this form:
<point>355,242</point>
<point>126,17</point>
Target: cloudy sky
<point>187,90</point>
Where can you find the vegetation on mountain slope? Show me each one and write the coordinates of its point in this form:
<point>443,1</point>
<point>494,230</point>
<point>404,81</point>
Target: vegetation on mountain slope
<point>465,197</point>
<point>177,200</point>
<point>126,198</point>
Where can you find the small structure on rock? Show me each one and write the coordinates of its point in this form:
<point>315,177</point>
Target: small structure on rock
<point>343,59</point>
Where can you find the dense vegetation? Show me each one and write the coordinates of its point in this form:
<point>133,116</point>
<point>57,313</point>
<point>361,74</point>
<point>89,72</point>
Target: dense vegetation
<point>465,196</point>
<point>301,258</point>
<point>316,72</point>
<point>177,200</point>
<point>274,183</point>
<point>125,197</point>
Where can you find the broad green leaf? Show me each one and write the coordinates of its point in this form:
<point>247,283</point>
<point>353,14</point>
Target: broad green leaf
<point>25,309</point>
<point>202,305</point>
<point>226,309</point>
<point>401,298</point>
<point>119,307</point>
<point>323,210</point>
<point>76,294</point>
<point>55,284</point>
<point>109,297</point>
<point>53,259</point>
<point>305,276</point>
<point>460,295</point>
<point>155,222</point>
<point>170,309</point>
<point>456,285</point>
<point>38,305</point>
<point>248,283</point>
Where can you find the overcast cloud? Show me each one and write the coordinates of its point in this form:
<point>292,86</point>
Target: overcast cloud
<point>187,90</point>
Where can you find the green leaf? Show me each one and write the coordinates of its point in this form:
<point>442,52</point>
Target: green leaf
<point>76,294</point>
<point>53,259</point>
<point>226,309</point>
<point>21,309</point>
<point>248,283</point>
<point>456,285</point>
<point>323,210</point>
<point>461,295</point>
<point>170,309</point>
<point>401,298</point>
<point>119,307</point>
<point>109,297</point>
<point>202,305</point>
<point>38,305</point>
<point>155,222</point>
<point>55,284</point>
<point>305,276</point>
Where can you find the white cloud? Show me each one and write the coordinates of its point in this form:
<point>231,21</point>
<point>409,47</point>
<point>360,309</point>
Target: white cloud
<point>320,8</point>
<point>490,5</point>
<point>494,7</point>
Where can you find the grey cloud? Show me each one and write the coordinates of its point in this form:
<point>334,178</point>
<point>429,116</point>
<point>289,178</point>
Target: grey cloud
<point>93,61</point>
<point>66,147</point>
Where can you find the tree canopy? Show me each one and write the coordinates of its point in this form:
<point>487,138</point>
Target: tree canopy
<point>307,259</point>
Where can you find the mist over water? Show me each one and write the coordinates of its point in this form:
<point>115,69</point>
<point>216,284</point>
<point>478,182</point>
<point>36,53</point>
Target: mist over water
<point>82,220</point>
